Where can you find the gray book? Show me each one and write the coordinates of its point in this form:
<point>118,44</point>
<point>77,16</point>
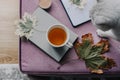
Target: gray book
<point>38,37</point>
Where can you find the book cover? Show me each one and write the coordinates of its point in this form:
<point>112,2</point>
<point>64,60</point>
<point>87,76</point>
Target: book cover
<point>38,37</point>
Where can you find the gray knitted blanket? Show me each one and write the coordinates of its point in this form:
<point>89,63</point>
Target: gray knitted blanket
<point>11,72</point>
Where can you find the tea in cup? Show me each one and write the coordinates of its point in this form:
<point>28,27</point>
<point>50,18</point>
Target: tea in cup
<point>58,36</point>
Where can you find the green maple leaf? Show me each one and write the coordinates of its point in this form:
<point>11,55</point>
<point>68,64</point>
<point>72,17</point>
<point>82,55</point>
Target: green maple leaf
<point>93,54</point>
<point>77,2</point>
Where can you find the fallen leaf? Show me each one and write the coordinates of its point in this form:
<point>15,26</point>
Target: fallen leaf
<point>92,54</point>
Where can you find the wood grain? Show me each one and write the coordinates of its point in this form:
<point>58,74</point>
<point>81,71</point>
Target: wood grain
<point>9,13</point>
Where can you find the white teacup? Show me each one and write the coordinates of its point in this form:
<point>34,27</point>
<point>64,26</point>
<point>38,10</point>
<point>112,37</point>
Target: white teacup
<point>58,36</point>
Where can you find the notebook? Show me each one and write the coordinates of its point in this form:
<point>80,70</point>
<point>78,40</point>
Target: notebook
<point>76,15</point>
<point>45,20</point>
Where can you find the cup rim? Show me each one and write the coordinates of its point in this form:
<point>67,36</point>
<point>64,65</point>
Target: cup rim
<point>66,30</point>
<point>48,6</point>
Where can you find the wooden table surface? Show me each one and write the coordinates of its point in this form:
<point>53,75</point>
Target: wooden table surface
<point>9,12</point>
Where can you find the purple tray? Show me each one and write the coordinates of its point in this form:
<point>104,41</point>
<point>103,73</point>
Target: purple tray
<point>35,61</point>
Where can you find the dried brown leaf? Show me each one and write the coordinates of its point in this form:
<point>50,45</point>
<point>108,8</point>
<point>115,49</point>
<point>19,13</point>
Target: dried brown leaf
<point>105,45</point>
<point>92,54</point>
<point>87,37</point>
<point>99,71</point>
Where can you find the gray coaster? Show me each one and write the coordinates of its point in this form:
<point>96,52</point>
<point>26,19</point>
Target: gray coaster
<point>39,37</point>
